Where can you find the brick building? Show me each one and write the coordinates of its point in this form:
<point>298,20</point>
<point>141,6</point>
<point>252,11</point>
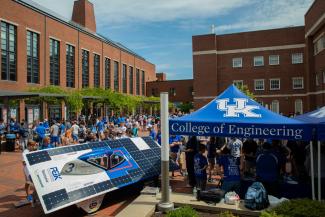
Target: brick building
<point>284,68</point>
<point>39,48</point>
<point>179,90</point>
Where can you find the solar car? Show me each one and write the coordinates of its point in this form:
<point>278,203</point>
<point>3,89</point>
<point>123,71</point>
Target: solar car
<point>82,174</point>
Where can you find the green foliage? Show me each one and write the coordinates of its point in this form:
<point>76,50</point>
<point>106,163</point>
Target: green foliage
<point>114,100</point>
<point>298,208</point>
<point>226,214</point>
<point>270,214</point>
<point>245,90</point>
<point>74,101</point>
<point>185,107</point>
<point>185,211</point>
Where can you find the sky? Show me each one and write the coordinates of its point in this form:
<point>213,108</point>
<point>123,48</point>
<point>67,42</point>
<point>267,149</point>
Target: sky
<point>161,30</point>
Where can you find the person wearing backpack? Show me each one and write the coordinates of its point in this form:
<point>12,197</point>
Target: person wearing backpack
<point>268,168</point>
<point>231,171</point>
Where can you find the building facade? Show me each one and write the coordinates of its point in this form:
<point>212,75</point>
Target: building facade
<point>180,91</point>
<point>39,48</point>
<point>280,66</point>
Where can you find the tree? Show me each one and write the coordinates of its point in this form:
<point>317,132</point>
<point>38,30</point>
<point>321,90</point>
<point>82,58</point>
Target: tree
<point>245,90</point>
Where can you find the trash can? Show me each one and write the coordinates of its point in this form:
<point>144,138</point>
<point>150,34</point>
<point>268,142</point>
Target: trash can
<point>10,142</point>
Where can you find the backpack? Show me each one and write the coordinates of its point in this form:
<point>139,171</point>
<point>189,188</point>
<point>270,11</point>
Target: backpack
<point>256,197</point>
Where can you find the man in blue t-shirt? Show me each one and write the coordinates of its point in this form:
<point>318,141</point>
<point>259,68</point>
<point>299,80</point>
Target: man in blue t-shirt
<point>174,143</point>
<point>152,132</point>
<point>200,166</point>
<point>40,131</point>
<point>231,171</point>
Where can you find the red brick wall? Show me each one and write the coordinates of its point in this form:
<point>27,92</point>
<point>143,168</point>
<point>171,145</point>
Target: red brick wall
<point>314,13</point>
<point>83,13</point>
<point>183,89</point>
<point>47,27</point>
<point>213,72</point>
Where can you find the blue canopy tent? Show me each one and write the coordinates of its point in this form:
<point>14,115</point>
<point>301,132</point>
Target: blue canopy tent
<point>317,118</point>
<point>233,114</point>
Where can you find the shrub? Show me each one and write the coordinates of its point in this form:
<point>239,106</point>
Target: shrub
<point>185,211</point>
<point>297,208</point>
<point>226,214</point>
<point>270,214</point>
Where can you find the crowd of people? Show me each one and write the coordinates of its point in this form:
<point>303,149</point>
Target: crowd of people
<point>200,159</point>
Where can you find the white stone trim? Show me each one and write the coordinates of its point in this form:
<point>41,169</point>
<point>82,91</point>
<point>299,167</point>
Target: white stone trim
<point>272,95</point>
<point>246,50</point>
<point>54,38</point>
<point>10,22</point>
<point>32,30</point>
<point>314,27</point>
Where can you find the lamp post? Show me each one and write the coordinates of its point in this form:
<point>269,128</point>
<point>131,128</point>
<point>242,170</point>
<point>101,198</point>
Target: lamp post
<point>165,204</point>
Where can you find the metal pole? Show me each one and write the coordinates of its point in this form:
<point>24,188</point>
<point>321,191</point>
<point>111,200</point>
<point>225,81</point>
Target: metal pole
<point>164,205</point>
<point>312,170</point>
<point>319,173</point>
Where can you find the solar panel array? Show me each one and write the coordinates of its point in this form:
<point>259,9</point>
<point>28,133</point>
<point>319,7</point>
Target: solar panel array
<point>149,162</point>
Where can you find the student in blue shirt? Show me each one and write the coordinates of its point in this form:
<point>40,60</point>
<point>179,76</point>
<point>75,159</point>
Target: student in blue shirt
<point>40,131</point>
<point>231,171</point>
<point>46,144</point>
<point>174,144</point>
<point>152,132</point>
<point>200,166</point>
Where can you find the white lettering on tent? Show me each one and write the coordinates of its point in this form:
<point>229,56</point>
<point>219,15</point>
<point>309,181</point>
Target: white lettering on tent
<point>240,107</point>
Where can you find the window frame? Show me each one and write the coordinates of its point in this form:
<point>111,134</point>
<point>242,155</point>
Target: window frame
<point>255,57</point>
<point>293,59</point>
<point>131,79</point>
<point>70,65</point>
<point>235,59</point>
<point>8,69</point>
<point>116,76</point>
<point>85,68</point>
<point>277,106</point>
<point>301,104</point>
<point>54,62</point>
<point>256,80</point>
<point>278,59</point>
<point>33,62</point>
<point>107,73</point>
<point>143,82</point>
<point>137,81</point>
<point>275,79</point>
<point>96,70</point>
<point>302,83</point>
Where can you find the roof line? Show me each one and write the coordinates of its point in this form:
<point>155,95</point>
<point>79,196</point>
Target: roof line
<point>75,26</point>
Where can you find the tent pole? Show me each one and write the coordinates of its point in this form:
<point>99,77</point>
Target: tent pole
<point>319,173</point>
<point>165,204</point>
<point>312,170</point>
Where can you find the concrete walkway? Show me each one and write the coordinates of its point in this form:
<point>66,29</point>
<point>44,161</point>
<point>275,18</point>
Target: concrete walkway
<point>145,205</point>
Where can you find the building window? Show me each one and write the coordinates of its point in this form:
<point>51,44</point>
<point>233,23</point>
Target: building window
<point>324,77</point>
<point>259,61</point>
<point>259,84</point>
<point>298,83</point>
<point>316,79</point>
<point>107,73</point>
<point>275,106</point>
<point>143,83</point>
<point>238,83</point>
<point>319,45</point>
<point>137,80</point>
<point>70,65</point>
<point>116,76</point>
<point>275,84</point>
<point>96,70</point>
<point>297,58</point>
<point>8,52</point>
<point>85,68</point>
<point>124,79</point>
<point>172,91</point>
<point>131,80</point>
<point>274,60</point>
<point>237,62</point>
<point>298,107</point>
<point>32,57</point>
<point>54,62</point>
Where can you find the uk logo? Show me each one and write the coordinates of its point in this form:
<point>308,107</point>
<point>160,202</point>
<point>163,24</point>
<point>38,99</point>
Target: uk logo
<point>240,107</point>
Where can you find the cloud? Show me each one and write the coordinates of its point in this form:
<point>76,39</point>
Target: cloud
<point>126,11</point>
<point>270,14</point>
